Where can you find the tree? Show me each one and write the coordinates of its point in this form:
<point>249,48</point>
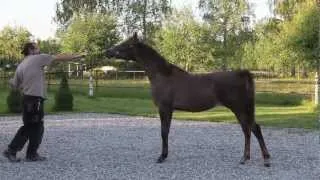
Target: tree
<point>285,8</point>
<point>63,97</point>
<point>14,101</point>
<point>304,37</point>
<point>92,33</point>
<point>11,42</point>
<point>262,51</point>
<point>144,15</point>
<point>268,53</point>
<point>225,19</point>
<point>182,40</point>
<point>49,46</point>
<point>285,45</point>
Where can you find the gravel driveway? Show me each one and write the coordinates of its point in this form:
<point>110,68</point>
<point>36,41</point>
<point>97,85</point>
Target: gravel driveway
<point>101,146</point>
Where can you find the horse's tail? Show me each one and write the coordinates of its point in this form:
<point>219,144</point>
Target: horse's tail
<point>250,92</point>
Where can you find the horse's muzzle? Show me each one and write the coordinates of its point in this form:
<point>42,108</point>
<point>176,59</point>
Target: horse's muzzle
<point>109,53</point>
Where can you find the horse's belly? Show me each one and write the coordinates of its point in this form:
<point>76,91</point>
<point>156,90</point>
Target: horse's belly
<point>194,104</point>
<point>193,108</point>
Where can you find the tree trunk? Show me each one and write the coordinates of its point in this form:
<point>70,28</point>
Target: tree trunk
<point>225,33</point>
<point>304,72</point>
<point>293,71</point>
<point>144,19</point>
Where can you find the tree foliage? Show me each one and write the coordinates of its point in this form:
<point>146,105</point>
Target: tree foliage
<point>92,33</point>
<point>11,42</point>
<point>225,19</point>
<point>143,15</point>
<point>49,46</point>
<point>182,41</point>
<point>288,45</point>
<point>286,42</point>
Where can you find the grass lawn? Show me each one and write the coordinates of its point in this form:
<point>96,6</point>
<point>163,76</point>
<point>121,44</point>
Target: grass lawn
<point>272,109</point>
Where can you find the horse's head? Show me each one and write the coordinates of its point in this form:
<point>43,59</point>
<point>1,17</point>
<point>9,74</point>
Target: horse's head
<point>125,50</point>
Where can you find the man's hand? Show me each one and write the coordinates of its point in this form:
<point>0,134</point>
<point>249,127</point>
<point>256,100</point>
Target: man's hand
<point>13,84</point>
<point>81,55</point>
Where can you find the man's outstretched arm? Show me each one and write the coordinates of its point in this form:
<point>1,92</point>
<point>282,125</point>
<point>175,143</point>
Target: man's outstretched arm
<point>68,57</point>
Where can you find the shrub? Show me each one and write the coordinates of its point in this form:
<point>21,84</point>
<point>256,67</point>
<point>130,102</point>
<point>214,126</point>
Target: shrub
<point>63,97</point>
<point>14,101</point>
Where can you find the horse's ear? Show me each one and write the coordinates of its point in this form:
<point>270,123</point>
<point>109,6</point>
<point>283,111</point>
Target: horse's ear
<point>135,36</point>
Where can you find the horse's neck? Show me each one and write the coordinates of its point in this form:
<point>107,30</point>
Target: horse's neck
<point>147,66</point>
<point>153,62</point>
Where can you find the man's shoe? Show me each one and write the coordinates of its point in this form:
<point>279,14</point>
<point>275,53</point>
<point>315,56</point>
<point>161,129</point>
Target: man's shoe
<point>11,156</point>
<point>36,157</point>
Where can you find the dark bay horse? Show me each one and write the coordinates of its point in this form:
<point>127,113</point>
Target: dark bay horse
<point>175,89</point>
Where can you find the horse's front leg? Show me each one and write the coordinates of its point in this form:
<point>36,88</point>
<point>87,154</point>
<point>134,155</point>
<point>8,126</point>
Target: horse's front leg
<point>165,117</point>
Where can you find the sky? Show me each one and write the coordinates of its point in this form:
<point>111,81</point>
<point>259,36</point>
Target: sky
<point>37,15</point>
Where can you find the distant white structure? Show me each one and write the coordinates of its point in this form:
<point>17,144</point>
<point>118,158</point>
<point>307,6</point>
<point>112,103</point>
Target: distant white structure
<point>105,69</point>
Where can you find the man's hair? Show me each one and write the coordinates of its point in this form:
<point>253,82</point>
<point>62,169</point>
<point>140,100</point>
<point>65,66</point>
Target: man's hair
<point>26,47</point>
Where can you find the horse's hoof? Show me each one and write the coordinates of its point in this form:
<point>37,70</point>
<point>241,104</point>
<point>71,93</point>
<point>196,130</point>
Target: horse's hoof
<point>243,160</point>
<point>161,159</point>
<point>266,163</point>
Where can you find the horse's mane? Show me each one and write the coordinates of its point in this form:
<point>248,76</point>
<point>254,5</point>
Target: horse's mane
<point>162,64</point>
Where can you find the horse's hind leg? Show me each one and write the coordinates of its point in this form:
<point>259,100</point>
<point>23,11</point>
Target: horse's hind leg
<point>247,135</point>
<point>257,132</point>
<point>165,117</point>
<point>246,129</point>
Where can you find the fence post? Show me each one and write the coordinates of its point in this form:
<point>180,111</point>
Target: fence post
<point>48,86</point>
<point>97,77</point>
<point>90,85</point>
<point>69,70</point>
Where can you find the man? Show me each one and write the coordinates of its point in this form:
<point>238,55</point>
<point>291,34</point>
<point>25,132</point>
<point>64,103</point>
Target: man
<point>30,78</point>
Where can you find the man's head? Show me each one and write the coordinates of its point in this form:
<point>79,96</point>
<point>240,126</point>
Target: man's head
<point>30,48</point>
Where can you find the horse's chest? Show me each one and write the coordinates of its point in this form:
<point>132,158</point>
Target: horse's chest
<point>162,94</point>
